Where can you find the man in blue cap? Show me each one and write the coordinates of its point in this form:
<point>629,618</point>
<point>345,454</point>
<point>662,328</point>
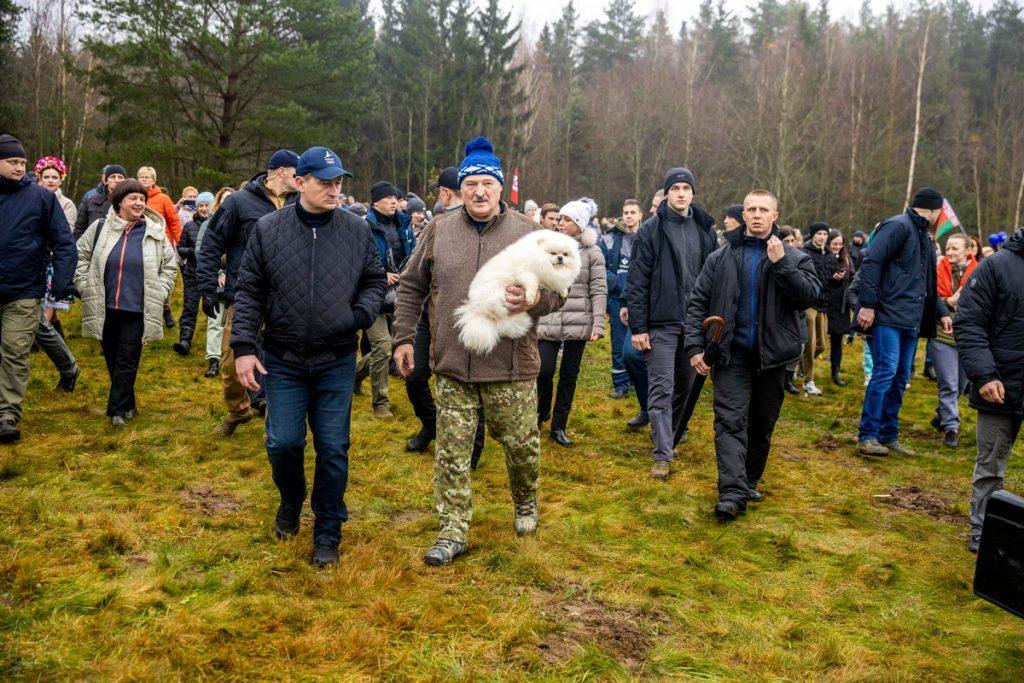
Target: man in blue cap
<point>226,236</point>
<point>310,279</point>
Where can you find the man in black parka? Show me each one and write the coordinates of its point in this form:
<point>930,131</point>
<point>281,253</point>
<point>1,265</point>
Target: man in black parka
<point>758,286</point>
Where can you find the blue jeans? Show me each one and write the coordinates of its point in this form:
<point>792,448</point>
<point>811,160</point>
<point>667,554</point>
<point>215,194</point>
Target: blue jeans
<point>892,350</point>
<point>322,394</point>
<point>636,368</point>
<point>620,336</point>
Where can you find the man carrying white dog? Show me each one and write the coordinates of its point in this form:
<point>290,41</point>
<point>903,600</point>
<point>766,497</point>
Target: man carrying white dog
<point>450,251</point>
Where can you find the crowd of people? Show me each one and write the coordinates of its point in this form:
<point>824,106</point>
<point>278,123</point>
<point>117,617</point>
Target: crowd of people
<point>307,293</point>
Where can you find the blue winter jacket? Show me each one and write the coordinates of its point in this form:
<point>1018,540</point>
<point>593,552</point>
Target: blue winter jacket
<point>380,239</point>
<point>897,276</point>
<point>33,233</point>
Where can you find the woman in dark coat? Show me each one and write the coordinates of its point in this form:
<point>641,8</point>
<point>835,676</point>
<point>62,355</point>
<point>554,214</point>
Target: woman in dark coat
<point>840,272</point>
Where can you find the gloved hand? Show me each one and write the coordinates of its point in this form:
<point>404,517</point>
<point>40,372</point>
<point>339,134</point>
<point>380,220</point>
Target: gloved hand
<point>211,307</point>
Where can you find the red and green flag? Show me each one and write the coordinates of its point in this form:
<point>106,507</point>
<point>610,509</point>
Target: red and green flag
<point>947,224</point>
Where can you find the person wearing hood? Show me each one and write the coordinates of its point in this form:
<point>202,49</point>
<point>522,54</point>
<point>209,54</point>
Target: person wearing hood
<point>758,286</point>
<point>393,234</point>
<point>226,235</point>
<point>989,334</point>
<point>671,249</point>
<point>187,252</point>
<point>858,247</point>
<point>817,315</point>
<point>126,270</point>
<point>569,328</point>
<point>617,247</point>
<point>899,302</point>
<point>96,202</point>
<point>33,232</point>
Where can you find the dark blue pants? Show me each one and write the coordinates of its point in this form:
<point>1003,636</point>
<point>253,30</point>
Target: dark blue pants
<point>893,352</point>
<point>321,394</point>
<point>636,367</point>
<point>620,336</point>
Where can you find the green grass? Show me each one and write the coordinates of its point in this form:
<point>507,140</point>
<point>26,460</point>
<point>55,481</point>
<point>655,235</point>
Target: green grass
<point>148,553</point>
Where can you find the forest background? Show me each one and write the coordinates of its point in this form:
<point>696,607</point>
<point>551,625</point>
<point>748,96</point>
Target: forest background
<point>838,117</point>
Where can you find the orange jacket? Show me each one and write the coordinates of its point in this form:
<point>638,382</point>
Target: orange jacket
<point>944,275</point>
<point>162,204</point>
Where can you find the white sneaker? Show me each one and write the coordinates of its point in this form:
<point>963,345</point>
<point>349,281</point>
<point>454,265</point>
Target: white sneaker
<point>811,390</point>
<point>867,380</point>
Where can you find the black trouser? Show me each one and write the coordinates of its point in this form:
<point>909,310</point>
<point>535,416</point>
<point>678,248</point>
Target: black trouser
<point>572,356</point>
<point>417,384</point>
<point>835,350</point>
<point>190,310</point>
<point>122,349</point>
<point>747,404</point>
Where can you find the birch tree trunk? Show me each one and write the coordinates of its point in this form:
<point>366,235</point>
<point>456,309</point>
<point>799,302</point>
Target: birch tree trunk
<point>917,109</point>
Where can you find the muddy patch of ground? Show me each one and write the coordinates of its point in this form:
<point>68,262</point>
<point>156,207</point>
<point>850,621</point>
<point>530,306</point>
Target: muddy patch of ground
<point>407,516</point>
<point>204,500</point>
<point>619,631</point>
<point>918,500</point>
<point>829,443</point>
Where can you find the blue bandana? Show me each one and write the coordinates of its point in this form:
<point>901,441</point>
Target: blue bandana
<point>480,160</point>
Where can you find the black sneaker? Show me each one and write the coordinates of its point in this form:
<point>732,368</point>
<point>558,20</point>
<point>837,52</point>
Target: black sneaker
<point>420,442</point>
<point>286,523</point>
<point>182,347</point>
<point>952,439</point>
<point>728,510</point>
<point>9,432</point>
<point>619,394</point>
<point>67,382</point>
<point>754,496</point>
<point>443,552</point>
<point>639,421</point>
<point>325,554</point>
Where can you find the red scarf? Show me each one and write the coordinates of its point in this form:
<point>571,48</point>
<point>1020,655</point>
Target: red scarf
<point>944,275</point>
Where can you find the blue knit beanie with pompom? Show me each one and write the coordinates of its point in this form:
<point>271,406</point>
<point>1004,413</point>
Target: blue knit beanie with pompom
<point>480,160</point>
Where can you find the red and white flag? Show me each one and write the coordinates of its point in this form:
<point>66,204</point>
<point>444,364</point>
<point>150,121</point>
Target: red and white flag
<point>514,195</point>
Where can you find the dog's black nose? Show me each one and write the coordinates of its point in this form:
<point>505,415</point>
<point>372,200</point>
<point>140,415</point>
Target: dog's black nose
<point>559,259</point>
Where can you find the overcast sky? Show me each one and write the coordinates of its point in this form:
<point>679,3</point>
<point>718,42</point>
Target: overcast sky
<point>535,13</point>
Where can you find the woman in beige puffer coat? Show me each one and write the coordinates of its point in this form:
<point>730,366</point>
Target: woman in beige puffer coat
<point>580,320</point>
<point>126,269</point>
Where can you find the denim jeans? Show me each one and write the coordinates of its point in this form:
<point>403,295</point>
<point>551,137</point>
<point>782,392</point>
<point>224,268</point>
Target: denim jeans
<point>892,350</point>
<point>620,335</point>
<point>322,394</point>
<point>636,367</point>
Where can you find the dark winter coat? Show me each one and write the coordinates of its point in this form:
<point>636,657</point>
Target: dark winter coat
<point>405,233</point>
<point>785,288</point>
<point>658,283</point>
<point>897,276</point>
<point>820,260</point>
<point>309,289</point>
<point>617,247</point>
<point>33,233</point>
<point>227,234</point>
<point>857,253</point>
<point>94,206</point>
<point>187,246</point>
<point>835,294</point>
<point>989,327</point>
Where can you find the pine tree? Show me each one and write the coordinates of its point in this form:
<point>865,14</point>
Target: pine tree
<point>613,40</point>
<point>10,15</point>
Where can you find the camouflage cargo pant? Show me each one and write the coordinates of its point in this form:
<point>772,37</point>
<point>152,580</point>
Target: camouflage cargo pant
<point>511,414</point>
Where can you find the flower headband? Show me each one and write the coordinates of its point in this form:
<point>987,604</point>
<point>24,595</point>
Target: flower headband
<point>51,162</point>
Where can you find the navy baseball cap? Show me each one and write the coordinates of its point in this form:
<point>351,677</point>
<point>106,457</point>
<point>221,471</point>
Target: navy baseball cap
<point>321,163</point>
<point>282,158</point>
<point>449,178</point>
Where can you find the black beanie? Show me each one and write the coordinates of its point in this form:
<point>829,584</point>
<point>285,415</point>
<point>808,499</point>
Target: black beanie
<point>10,148</point>
<point>679,175</point>
<point>927,198</point>
<point>735,212</point>
<point>382,189</point>
<point>111,169</point>
<point>817,227</point>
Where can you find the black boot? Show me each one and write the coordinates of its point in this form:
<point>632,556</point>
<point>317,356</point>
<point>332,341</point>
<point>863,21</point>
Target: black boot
<point>790,387</point>
<point>639,421</point>
<point>169,318</point>
<point>559,437</point>
<point>184,343</point>
<point>421,441</point>
<point>214,368</point>
<point>836,379</point>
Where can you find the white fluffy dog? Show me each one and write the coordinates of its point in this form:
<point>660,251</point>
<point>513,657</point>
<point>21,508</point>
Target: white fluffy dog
<point>542,259</point>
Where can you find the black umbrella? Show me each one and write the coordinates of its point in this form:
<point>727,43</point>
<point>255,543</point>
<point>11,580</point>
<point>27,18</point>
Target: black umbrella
<point>711,354</point>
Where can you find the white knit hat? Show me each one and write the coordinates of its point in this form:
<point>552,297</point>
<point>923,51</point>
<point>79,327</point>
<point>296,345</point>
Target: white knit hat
<point>581,211</point>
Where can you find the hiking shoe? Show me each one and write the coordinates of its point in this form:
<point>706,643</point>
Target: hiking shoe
<point>118,422</point>
<point>228,426</point>
<point>382,413</point>
<point>791,388</point>
<point>131,414</point>
<point>754,496</point>
<point>67,382</point>
<point>325,554</point>
<point>443,552</point>
<point>660,470</point>
<point>9,432</point>
<point>619,393</point>
<point>897,448</point>
<point>421,441</point>
<point>952,439</point>
<point>872,447</point>
<point>639,421</point>
<point>526,517</point>
<point>286,522</point>
<point>811,390</point>
<point>728,510</point>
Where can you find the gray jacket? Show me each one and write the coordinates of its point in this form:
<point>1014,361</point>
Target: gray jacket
<point>584,309</point>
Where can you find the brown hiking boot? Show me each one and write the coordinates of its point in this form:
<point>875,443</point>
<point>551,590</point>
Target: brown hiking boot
<point>897,448</point>
<point>382,413</point>
<point>229,425</point>
<point>871,447</point>
<point>660,470</point>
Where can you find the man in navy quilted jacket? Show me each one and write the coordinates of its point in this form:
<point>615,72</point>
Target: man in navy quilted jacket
<point>311,278</point>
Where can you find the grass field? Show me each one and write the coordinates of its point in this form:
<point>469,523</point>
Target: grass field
<point>148,553</point>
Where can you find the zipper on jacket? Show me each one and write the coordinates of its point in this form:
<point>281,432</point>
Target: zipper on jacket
<point>311,317</point>
<point>479,250</point>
